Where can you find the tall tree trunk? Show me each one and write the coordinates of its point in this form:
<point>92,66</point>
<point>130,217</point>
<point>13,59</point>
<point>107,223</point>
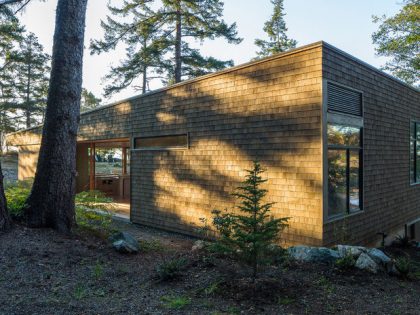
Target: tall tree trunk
<point>144,87</point>
<point>5,222</point>
<point>28,92</point>
<point>51,202</point>
<point>178,43</point>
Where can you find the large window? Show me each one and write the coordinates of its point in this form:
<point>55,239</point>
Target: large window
<point>415,152</point>
<point>344,169</point>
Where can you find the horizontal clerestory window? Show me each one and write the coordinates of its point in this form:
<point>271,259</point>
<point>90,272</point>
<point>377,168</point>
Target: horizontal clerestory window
<point>415,152</point>
<point>161,142</point>
<point>345,156</point>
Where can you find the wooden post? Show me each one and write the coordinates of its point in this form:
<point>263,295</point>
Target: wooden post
<point>92,167</point>
<point>124,161</point>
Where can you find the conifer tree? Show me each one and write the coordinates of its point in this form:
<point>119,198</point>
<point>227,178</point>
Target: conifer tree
<point>10,34</point>
<point>276,30</point>
<point>89,100</point>
<point>158,36</point>
<point>249,235</point>
<point>31,80</point>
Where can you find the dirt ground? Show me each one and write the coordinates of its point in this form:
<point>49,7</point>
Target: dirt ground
<point>42,272</point>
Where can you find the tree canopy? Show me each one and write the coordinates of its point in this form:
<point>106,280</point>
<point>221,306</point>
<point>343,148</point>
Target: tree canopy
<point>276,29</point>
<point>158,36</point>
<point>398,37</point>
<point>31,80</point>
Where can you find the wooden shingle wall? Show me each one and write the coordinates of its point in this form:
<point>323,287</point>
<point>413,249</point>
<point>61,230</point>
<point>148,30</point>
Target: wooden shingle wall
<point>269,111</point>
<point>389,199</point>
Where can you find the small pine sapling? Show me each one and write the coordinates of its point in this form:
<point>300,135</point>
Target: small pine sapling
<point>249,236</point>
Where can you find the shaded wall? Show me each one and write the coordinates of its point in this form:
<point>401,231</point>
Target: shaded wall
<point>268,111</point>
<point>389,199</point>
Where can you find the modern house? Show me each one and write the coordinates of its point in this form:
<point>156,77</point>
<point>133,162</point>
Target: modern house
<point>340,141</point>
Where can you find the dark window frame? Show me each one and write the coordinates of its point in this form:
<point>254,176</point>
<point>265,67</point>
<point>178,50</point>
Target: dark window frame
<point>348,149</point>
<point>414,146</point>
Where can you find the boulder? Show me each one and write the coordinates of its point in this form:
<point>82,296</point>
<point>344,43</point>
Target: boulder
<point>364,262</point>
<point>300,253</point>
<point>198,245</point>
<point>125,243</point>
<point>355,251</point>
<point>379,257</point>
<point>313,254</point>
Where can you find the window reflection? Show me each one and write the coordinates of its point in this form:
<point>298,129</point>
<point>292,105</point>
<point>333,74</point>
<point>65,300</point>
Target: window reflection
<point>344,169</point>
<point>343,135</point>
<point>337,187</point>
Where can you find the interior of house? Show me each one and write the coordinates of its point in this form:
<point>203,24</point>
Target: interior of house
<point>105,166</point>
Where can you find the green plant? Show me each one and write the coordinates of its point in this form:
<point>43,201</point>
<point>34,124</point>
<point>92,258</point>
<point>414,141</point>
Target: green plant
<point>93,212</point>
<point>98,271</point>
<point>16,195</point>
<point>248,236</point>
<point>151,246</point>
<point>171,269</point>
<point>80,292</point>
<point>403,265</point>
<point>325,284</point>
<point>204,231</point>
<point>402,241</point>
<point>345,263</point>
<point>284,300</point>
<point>212,288</point>
<point>176,302</point>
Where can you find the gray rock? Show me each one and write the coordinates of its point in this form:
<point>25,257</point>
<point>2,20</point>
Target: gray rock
<point>364,262</point>
<point>313,254</point>
<point>300,253</point>
<point>198,245</point>
<point>379,257</point>
<point>355,251</point>
<point>124,242</point>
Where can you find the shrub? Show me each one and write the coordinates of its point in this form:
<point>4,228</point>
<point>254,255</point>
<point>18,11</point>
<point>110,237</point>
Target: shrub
<point>402,241</point>
<point>93,212</point>
<point>176,302</point>
<point>249,236</point>
<point>93,208</point>
<point>16,195</point>
<point>345,263</point>
<point>171,269</point>
<point>403,265</point>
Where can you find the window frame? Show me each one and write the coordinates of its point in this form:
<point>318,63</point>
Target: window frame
<point>162,148</point>
<point>348,149</point>
<point>335,117</point>
<point>416,142</point>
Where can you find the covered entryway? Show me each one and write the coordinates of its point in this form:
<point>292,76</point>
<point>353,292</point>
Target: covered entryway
<point>105,166</point>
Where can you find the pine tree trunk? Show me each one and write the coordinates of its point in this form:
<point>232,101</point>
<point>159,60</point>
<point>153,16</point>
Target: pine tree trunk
<point>28,92</point>
<point>144,87</point>
<point>178,43</point>
<point>5,222</point>
<point>51,202</point>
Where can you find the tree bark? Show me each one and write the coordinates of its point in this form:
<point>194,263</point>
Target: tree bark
<point>51,202</point>
<point>178,43</point>
<point>28,93</point>
<point>5,221</point>
<point>144,87</point>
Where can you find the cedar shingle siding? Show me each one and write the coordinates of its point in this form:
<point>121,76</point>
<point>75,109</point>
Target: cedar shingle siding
<point>271,111</point>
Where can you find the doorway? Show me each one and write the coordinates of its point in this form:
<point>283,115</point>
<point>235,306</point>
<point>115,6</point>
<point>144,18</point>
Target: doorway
<point>105,166</point>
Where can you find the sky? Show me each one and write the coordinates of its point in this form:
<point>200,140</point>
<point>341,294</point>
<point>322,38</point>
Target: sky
<point>346,24</point>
